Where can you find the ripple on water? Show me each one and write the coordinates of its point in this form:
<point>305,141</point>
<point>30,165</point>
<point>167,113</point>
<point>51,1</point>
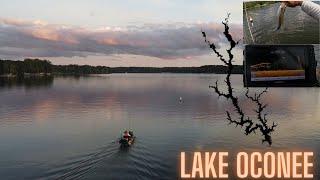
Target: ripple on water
<point>80,165</point>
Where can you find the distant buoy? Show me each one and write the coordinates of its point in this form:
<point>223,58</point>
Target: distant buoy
<point>180,99</point>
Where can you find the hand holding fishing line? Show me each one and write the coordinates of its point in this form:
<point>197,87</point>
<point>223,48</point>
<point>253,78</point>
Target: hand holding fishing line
<point>293,3</point>
<point>309,7</point>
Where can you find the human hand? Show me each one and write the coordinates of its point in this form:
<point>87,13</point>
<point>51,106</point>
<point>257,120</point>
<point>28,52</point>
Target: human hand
<point>293,3</point>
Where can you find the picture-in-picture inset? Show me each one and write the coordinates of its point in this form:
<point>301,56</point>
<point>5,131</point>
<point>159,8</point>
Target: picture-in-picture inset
<point>281,22</point>
<point>280,65</point>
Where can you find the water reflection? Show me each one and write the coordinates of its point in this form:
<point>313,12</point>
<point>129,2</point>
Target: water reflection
<point>69,130</point>
<point>27,82</point>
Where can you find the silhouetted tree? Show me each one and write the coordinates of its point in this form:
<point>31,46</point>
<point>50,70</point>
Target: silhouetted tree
<point>243,120</point>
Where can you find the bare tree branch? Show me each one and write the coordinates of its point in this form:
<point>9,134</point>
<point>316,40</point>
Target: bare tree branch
<point>250,125</point>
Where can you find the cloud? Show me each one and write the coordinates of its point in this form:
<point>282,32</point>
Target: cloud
<point>19,38</point>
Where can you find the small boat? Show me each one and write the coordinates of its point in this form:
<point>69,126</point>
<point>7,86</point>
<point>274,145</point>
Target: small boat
<point>126,142</point>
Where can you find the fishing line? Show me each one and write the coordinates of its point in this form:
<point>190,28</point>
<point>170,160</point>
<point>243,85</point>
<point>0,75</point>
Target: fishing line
<point>245,9</point>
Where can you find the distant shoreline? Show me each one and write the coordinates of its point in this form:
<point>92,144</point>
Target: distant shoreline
<point>72,74</point>
<point>36,67</point>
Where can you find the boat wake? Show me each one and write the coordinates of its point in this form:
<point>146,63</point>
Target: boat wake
<point>78,166</point>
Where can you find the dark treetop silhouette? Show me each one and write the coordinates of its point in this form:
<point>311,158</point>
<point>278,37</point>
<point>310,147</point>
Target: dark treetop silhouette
<point>37,66</point>
<point>243,120</point>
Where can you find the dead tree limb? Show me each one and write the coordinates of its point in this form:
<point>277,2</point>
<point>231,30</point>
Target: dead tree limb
<point>250,125</point>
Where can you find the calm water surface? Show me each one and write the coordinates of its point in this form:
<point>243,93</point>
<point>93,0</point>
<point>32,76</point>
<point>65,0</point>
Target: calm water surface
<point>298,27</point>
<point>68,127</point>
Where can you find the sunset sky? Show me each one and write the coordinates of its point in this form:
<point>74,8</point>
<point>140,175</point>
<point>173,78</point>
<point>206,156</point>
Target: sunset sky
<point>116,33</point>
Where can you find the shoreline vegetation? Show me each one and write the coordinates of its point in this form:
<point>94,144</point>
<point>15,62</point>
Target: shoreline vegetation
<point>37,67</point>
<point>257,4</point>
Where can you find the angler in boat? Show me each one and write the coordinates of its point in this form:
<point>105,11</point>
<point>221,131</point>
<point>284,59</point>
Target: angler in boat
<point>127,138</point>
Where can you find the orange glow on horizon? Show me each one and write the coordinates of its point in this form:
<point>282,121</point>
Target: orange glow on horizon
<point>109,41</point>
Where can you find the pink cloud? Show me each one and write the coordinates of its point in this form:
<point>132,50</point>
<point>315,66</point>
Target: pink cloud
<point>167,41</point>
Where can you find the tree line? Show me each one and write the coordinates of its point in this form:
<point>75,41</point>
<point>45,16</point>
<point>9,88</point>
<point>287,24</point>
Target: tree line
<point>32,66</point>
<point>37,66</point>
<point>216,69</point>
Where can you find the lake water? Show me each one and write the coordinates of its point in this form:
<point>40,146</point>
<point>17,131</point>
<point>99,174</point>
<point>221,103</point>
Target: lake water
<point>298,27</point>
<point>68,127</point>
